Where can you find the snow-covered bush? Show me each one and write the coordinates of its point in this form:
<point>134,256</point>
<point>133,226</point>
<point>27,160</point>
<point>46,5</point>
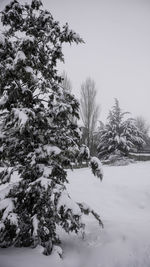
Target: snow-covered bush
<point>96,167</point>
<point>37,136</point>
<point>118,134</point>
<point>117,159</point>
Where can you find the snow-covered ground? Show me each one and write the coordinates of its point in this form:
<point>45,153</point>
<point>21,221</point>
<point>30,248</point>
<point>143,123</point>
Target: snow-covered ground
<point>123,201</point>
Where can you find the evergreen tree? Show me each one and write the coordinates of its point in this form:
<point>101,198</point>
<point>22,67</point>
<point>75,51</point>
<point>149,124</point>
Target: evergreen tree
<point>118,135</point>
<point>38,139</point>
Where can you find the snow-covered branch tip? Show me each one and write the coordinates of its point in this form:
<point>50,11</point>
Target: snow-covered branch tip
<point>96,167</point>
<point>87,210</point>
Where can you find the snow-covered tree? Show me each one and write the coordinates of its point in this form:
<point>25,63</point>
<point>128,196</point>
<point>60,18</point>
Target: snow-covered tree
<point>38,139</point>
<point>118,135</point>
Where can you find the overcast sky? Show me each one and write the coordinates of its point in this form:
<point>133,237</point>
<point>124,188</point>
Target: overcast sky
<point>116,53</point>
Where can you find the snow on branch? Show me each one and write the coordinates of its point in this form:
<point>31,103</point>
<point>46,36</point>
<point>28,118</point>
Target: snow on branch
<point>7,205</point>
<point>20,56</point>
<point>4,192</point>
<point>42,181</point>
<point>3,100</point>
<point>96,167</point>
<point>5,175</point>
<point>2,39</point>
<point>50,149</point>
<point>35,223</point>
<point>22,116</point>
<point>68,204</point>
<point>87,210</point>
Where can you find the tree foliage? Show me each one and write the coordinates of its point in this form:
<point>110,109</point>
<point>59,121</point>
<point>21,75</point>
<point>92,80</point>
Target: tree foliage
<point>38,139</point>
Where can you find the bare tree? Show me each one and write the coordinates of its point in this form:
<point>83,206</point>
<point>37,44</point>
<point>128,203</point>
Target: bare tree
<point>142,125</point>
<point>89,110</point>
<point>66,83</point>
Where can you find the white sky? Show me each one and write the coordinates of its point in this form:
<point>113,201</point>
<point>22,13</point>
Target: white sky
<point>116,53</point>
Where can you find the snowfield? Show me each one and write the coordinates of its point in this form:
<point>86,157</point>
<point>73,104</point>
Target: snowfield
<point>123,201</point>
